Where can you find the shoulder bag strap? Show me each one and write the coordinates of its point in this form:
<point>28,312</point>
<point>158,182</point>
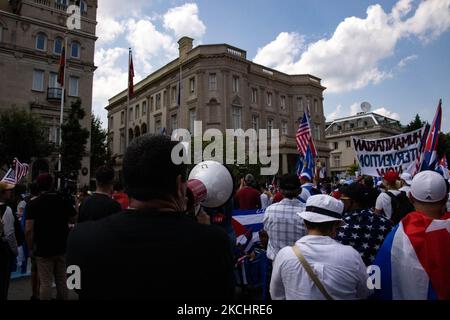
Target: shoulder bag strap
<point>310,272</point>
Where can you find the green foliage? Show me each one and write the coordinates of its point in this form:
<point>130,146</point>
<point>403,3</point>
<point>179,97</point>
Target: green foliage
<point>74,139</point>
<point>415,124</point>
<point>100,154</point>
<point>22,135</point>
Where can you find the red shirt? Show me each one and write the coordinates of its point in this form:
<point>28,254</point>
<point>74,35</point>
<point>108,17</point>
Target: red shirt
<point>121,198</point>
<point>277,197</point>
<point>248,198</point>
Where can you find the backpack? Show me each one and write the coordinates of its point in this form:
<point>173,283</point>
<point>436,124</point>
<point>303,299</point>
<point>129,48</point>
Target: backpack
<point>401,206</point>
<point>18,231</point>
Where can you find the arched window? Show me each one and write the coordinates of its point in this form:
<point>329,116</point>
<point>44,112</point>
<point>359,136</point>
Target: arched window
<point>41,41</point>
<point>144,128</point>
<point>130,135</point>
<point>75,50</point>
<point>137,131</point>
<point>57,48</point>
<point>83,6</point>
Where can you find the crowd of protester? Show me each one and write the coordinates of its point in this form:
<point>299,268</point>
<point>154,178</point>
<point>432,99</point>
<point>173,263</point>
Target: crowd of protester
<point>133,238</point>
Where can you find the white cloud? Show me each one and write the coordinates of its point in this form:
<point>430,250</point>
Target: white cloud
<point>337,113</point>
<point>108,29</point>
<point>350,59</point>
<point>355,108</point>
<point>109,79</point>
<point>184,21</point>
<point>387,113</point>
<point>281,52</point>
<point>402,63</point>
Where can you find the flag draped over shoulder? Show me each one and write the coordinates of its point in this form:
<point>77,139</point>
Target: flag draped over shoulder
<point>16,173</point>
<point>414,259</point>
<point>62,65</point>
<point>130,75</point>
<point>429,156</point>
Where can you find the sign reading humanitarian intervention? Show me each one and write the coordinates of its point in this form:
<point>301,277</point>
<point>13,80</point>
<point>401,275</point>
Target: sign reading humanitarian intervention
<point>399,153</point>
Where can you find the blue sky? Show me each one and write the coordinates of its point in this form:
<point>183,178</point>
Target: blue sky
<point>394,54</point>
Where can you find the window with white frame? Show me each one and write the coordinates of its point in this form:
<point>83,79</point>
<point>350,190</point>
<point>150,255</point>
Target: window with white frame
<point>255,122</point>
<point>237,117</point>
<point>254,95</point>
<point>284,128</point>
<point>53,80</point>
<point>212,82</point>
<point>192,118</point>
<point>269,98</point>
<point>337,161</point>
<point>235,84</point>
<point>57,46</point>
<point>73,86</point>
<point>192,85</point>
<point>75,50</point>
<point>41,41</point>
<point>83,6</point>
<point>38,80</point>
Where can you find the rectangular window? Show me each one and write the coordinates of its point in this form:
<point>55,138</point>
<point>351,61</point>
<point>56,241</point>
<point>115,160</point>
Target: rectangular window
<point>336,145</point>
<point>337,161</point>
<point>136,112</point>
<point>284,128</point>
<point>158,101</point>
<point>348,143</point>
<point>130,114</point>
<point>73,86</point>
<point>212,83</point>
<point>53,80</point>
<point>300,104</point>
<point>192,85</point>
<point>254,95</point>
<point>192,118</point>
<point>174,95</point>
<point>173,122</point>
<point>235,84</point>
<point>269,99</point>
<point>144,108</point>
<point>38,80</point>
<point>255,122</point>
<point>316,106</point>
<point>158,126</point>
<point>122,117</point>
<point>269,128</point>
<point>122,142</point>
<point>283,103</point>
<point>316,131</point>
<point>237,118</point>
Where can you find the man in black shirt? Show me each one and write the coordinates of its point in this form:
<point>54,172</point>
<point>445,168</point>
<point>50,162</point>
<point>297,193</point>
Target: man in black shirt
<point>153,250</point>
<point>100,204</point>
<point>47,227</point>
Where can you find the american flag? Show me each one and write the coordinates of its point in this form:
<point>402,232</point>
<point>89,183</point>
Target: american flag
<point>304,138</point>
<point>16,173</point>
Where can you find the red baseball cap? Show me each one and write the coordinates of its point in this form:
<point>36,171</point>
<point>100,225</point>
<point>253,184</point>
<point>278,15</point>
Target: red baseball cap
<point>391,176</point>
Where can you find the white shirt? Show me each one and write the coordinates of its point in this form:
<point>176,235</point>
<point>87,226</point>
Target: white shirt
<point>265,201</point>
<point>406,189</point>
<point>339,268</point>
<point>8,229</point>
<point>384,203</point>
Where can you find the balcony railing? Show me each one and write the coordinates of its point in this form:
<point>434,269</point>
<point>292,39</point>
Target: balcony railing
<point>54,93</point>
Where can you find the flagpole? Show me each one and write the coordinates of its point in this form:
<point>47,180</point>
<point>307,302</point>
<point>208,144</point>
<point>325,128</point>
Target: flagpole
<point>128,99</point>
<point>61,116</point>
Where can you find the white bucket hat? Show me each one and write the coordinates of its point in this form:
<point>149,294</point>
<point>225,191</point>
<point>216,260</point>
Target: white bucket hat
<point>322,208</point>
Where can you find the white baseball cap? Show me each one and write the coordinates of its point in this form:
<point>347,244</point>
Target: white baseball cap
<point>407,178</point>
<point>322,208</point>
<point>428,186</point>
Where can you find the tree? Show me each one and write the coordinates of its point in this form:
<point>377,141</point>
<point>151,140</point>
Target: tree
<point>415,124</point>
<point>100,153</point>
<point>74,139</point>
<point>22,135</point>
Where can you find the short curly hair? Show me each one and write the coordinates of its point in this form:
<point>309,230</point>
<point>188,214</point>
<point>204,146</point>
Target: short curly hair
<point>148,170</point>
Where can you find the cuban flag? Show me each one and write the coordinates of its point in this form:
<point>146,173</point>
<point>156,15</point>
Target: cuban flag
<point>430,159</point>
<point>414,260</point>
<point>246,225</point>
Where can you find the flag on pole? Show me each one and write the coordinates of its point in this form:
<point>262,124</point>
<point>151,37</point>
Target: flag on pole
<point>16,172</point>
<point>130,75</point>
<point>308,164</point>
<point>62,65</point>
<point>430,160</point>
<point>304,137</point>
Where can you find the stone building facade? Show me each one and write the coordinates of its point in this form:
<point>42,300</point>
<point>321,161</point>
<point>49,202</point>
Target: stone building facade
<point>32,33</point>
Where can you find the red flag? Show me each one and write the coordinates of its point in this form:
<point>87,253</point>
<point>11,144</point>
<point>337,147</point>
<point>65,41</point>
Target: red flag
<point>130,76</point>
<point>62,66</point>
